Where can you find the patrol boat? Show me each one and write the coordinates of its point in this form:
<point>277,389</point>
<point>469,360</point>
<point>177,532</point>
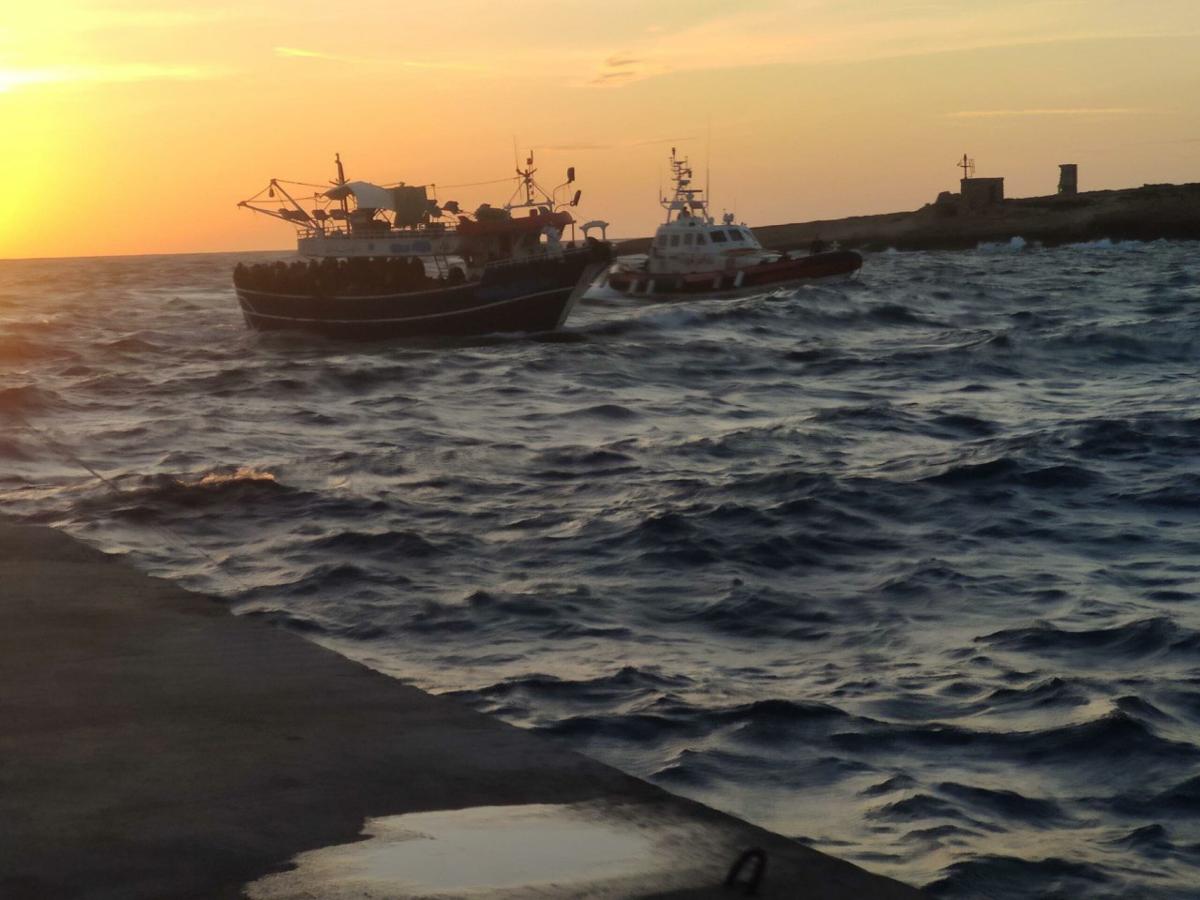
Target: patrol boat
<point>389,261</point>
<point>693,254</point>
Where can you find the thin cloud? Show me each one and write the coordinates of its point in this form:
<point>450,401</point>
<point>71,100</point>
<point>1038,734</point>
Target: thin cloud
<point>672,140</point>
<point>432,64</point>
<point>620,69</point>
<point>298,53</point>
<point>1050,111</point>
<point>570,148</point>
<point>618,145</point>
<point>1194,140</point>
<point>613,77</point>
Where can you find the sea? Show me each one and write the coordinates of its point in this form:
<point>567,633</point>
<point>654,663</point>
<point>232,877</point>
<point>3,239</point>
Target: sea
<point>905,567</point>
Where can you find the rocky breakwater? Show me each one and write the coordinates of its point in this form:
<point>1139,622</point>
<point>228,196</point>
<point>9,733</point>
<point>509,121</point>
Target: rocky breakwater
<point>1151,212</point>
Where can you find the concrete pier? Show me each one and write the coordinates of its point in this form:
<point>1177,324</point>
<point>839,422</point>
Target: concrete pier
<point>155,746</point>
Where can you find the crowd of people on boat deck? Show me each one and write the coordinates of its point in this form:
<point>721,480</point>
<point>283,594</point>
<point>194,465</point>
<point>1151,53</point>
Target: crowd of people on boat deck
<point>357,275</point>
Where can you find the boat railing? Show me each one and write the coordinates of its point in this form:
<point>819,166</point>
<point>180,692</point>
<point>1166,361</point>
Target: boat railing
<point>390,233</point>
<point>559,252</point>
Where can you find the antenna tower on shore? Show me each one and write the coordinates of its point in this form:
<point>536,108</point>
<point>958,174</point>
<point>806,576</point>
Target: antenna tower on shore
<point>968,167</point>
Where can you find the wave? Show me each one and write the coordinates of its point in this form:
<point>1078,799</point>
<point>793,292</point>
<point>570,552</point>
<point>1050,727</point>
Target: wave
<point>922,806</point>
<point>1113,438</point>
<point>609,411</point>
<point>899,314</point>
<point>1131,641</point>
<point>13,449</point>
<point>792,534</point>
<point>1050,693</point>
<point>896,783</point>
<point>588,458</point>
<point>636,728</point>
<point>17,351</point>
<point>763,722</point>
<point>1006,470</point>
<point>131,344</point>
<point>28,398</point>
<point>964,425</point>
<point>1181,492</point>
<point>313,625</point>
<point>763,613</point>
<point>1009,876</point>
<point>1106,244</point>
<point>551,612</point>
<point>1012,245</point>
<point>1113,739</point>
<point>391,544</point>
<point>1150,841</point>
<point>1179,800</point>
<point>627,684</point>
<point>148,497</point>
<point>1004,804</point>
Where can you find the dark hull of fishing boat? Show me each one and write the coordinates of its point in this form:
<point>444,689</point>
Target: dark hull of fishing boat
<point>815,267</point>
<point>528,296</point>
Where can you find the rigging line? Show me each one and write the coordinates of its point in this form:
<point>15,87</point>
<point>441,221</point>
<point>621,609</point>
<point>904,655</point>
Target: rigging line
<point>66,452</point>
<point>323,187</point>
<point>480,183</point>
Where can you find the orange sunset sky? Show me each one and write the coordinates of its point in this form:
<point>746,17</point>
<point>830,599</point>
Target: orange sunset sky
<point>135,127</point>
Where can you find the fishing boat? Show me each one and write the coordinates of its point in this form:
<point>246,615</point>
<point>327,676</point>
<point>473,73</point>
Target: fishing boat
<point>694,255</point>
<point>389,261</point>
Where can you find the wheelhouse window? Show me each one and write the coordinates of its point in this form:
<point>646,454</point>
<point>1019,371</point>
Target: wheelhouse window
<point>701,237</point>
<point>689,239</point>
<point>718,237</point>
<point>674,240</point>
<point>734,234</point>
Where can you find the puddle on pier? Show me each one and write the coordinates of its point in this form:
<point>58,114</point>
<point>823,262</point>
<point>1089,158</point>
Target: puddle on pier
<point>537,851</point>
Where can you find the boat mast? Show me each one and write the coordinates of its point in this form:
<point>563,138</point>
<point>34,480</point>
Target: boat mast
<point>529,186</point>
<point>685,200</point>
<point>341,181</point>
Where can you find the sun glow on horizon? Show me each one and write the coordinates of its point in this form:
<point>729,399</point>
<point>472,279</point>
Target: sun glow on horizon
<point>136,129</point>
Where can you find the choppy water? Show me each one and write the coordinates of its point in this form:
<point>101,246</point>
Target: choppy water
<point>907,567</point>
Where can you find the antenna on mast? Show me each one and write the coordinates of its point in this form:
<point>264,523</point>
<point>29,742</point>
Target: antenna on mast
<point>684,203</point>
<point>968,167</point>
<point>708,162</point>
<point>527,186</point>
